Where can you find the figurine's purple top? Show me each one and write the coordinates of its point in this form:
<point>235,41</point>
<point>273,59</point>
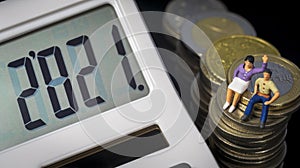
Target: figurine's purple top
<point>241,73</point>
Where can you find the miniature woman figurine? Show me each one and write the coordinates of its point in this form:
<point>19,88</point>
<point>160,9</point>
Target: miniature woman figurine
<point>241,79</point>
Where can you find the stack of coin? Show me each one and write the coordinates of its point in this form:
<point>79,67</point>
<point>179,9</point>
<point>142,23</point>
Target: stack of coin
<point>236,143</point>
<point>208,48</point>
<point>215,64</point>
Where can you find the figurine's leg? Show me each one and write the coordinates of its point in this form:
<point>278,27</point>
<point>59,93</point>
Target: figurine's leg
<point>229,95</point>
<point>249,107</point>
<point>236,99</point>
<point>264,113</point>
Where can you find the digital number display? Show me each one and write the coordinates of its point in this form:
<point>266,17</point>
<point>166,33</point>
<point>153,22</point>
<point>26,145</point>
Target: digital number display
<point>65,72</point>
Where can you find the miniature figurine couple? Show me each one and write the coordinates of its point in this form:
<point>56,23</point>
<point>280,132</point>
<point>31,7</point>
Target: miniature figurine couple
<point>262,89</point>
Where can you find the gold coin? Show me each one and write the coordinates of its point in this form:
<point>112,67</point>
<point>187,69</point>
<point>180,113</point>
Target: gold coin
<point>286,76</point>
<point>218,27</point>
<point>226,50</point>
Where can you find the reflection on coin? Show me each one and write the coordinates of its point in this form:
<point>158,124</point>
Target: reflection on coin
<point>231,48</point>
<point>285,74</point>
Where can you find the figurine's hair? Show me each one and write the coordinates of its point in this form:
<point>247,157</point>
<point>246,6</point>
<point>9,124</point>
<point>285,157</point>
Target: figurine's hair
<point>268,71</point>
<point>250,58</point>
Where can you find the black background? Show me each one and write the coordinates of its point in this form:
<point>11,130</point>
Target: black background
<point>275,22</point>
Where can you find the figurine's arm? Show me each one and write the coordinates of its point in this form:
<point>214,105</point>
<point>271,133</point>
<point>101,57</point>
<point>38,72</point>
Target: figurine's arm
<point>255,87</point>
<point>275,97</point>
<point>236,71</point>
<point>265,58</point>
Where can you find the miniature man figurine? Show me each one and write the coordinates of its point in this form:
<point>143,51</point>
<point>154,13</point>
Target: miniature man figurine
<point>262,93</point>
<point>241,78</point>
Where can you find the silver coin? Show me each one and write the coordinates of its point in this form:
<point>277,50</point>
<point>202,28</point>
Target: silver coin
<point>179,10</point>
<point>207,27</point>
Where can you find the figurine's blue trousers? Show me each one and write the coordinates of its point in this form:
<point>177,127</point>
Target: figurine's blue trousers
<point>265,108</point>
